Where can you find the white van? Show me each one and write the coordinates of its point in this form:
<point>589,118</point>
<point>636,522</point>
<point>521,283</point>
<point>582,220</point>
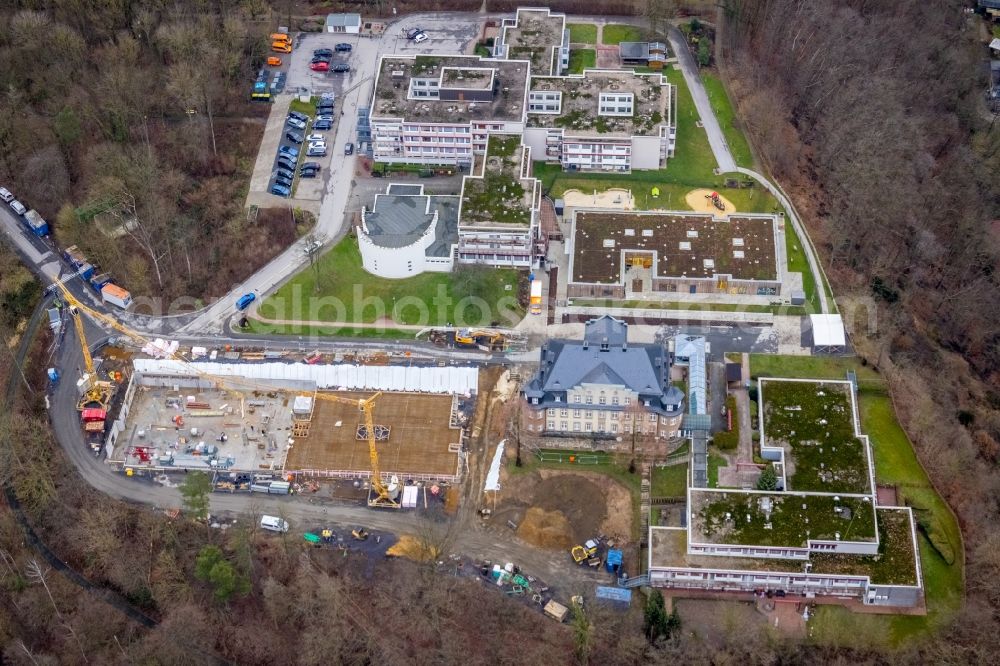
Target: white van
<point>274,523</point>
<point>5,194</point>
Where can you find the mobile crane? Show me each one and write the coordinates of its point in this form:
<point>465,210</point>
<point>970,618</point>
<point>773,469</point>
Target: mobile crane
<point>384,494</point>
<point>95,391</point>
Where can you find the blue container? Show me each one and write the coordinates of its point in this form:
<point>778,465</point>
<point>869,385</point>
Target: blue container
<point>614,560</point>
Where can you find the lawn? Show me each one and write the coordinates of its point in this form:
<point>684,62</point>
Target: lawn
<point>338,289</point>
<point>715,461</point>
<point>582,33</point>
<point>616,32</point>
<point>670,481</point>
<point>581,59</point>
<point>257,327</point>
<point>797,263</point>
<point>896,464</point>
<point>723,108</point>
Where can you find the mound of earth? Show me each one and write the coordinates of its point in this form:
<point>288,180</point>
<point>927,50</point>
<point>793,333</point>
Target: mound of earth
<point>546,529</point>
<point>580,500</point>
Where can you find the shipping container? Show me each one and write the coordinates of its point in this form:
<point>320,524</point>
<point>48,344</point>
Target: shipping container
<point>74,256</point>
<point>36,223</point>
<point>536,296</point>
<point>94,427</point>
<point>93,414</point>
<point>85,271</point>
<point>99,281</point>
<point>115,295</point>
<point>279,488</point>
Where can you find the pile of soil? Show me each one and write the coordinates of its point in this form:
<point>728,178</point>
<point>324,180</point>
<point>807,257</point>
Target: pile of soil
<point>578,499</point>
<point>546,529</point>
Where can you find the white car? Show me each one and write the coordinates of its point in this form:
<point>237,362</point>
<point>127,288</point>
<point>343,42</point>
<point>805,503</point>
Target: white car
<point>317,145</point>
<point>5,195</point>
<point>18,207</point>
<point>420,37</point>
<point>316,138</point>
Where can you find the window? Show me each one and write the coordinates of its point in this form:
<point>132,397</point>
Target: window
<point>576,413</point>
<point>590,399</point>
<point>589,427</point>
<point>614,427</point>
<point>557,398</point>
<point>628,400</point>
<point>614,400</point>
<point>551,425</point>
<point>576,426</point>
<point>602,399</point>
<point>576,399</point>
<point>614,416</point>
<point>589,414</point>
<point>562,425</point>
<point>652,418</point>
<point>562,412</point>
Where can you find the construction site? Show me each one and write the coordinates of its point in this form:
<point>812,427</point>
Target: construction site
<point>289,419</point>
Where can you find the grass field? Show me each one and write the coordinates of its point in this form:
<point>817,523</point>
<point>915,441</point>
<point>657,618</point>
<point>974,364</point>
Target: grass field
<point>896,464</point>
<point>723,108</point>
<point>374,332</point>
<point>669,481</point>
<point>616,32</point>
<point>582,33</point>
<point>581,59</point>
<point>790,310</point>
<point>715,461</point>
<point>338,289</point>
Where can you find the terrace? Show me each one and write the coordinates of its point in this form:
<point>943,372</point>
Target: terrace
<point>686,245</point>
<point>536,37</point>
<point>477,95</point>
<point>580,103</point>
<point>503,192</point>
<point>779,519</point>
<point>813,423</point>
<point>895,563</point>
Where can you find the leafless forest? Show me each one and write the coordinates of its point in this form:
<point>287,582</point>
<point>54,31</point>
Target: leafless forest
<point>871,113</point>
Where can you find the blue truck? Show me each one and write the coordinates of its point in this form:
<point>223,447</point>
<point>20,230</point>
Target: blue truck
<point>77,260</point>
<point>36,223</point>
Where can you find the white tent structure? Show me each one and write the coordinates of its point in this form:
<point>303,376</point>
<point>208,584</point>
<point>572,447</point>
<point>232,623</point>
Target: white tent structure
<point>340,377</point>
<point>828,332</point>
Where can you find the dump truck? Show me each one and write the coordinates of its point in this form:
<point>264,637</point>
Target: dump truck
<point>536,296</point>
<point>585,552</point>
<point>36,223</point>
<point>556,610</point>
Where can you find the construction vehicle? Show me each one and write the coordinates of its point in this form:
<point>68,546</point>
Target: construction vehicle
<point>716,200</point>
<point>383,495</point>
<point>585,552</point>
<point>536,296</point>
<point>360,534</point>
<point>95,392</point>
<point>483,339</point>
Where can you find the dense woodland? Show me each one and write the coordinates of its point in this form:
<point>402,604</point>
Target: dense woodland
<point>139,111</point>
<point>872,115</point>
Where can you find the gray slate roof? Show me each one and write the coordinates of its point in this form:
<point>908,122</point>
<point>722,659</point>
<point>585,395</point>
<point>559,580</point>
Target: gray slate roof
<point>398,220</point>
<point>606,329</point>
<point>344,20</point>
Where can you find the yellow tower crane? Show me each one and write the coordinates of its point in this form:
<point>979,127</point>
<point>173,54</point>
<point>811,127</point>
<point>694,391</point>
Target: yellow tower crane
<point>95,391</point>
<point>384,494</point>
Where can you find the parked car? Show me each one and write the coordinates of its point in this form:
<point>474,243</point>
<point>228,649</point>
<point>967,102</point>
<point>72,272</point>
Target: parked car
<point>321,59</point>
<point>19,208</point>
<point>281,47</point>
<point>315,137</point>
<point>285,162</point>
<point>348,148</point>
<point>323,124</point>
<point>281,180</point>
<point>324,118</point>
<point>320,66</point>
<point>322,52</point>
<point>294,137</point>
<point>317,144</point>
<point>245,300</point>
<point>296,123</point>
<point>413,32</point>
<point>281,190</point>
<point>324,106</point>
<point>342,47</point>
<point>274,61</point>
<point>298,116</point>
<point>421,37</point>
<point>341,67</point>
<point>284,173</point>
<point>5,194</point>
<point>328,95</point>
<point>291,151</point>
<point>316,152</point>
<point>311,165</point>
<point>308,173</point>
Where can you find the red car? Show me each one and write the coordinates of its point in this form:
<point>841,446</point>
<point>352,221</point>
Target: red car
<point>320,66</point>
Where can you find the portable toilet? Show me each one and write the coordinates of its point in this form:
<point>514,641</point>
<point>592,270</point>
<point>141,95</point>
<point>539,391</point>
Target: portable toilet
<point>613,563</point>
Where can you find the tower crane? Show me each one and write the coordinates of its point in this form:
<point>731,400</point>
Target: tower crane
<point>384,494</point>
<point>94,390</point>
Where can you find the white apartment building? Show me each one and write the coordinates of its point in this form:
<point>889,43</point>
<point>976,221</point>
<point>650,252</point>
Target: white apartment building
<point>536,35</point>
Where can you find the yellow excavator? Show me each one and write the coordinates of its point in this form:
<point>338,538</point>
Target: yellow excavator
<point>96,392</point>
<point>384,495</point>
<point>467,337</point>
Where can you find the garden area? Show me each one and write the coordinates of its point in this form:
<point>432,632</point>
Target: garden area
<point>337,289</point>
<point>581,59</point>
<point>582,33</point>
<point>669,481</point>
<point>896,464</point>
<point>615,33</point>
<point>814,423</point>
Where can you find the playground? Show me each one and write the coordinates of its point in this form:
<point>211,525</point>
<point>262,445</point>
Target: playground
<point>702,201</point>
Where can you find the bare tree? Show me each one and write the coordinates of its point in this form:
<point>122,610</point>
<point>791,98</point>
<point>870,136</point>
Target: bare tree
<point>35,573</point>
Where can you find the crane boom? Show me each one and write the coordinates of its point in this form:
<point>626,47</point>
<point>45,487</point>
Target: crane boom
<point>96,391</point>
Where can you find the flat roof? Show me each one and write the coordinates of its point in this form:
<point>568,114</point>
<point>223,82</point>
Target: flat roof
<point>502,192</point>
<point>392,86</point>
<point>896,563</point>
<point>780,519</point>
<point>814,423</point>
<point>686,245</point>
<point>578,114</point>
<point>533,37</point>
<point>828,330</point>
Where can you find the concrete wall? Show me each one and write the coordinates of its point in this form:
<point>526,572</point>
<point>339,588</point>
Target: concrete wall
<point>646,152</point>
